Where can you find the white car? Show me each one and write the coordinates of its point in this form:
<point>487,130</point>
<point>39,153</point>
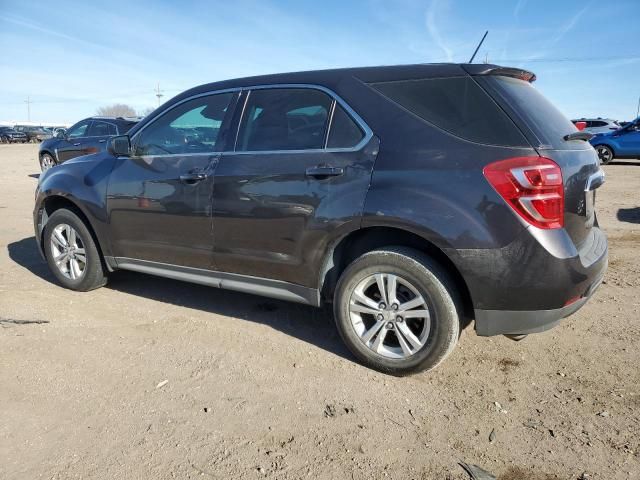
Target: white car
<point>598,125</point>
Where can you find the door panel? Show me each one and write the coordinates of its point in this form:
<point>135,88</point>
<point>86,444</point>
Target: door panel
<point>272,220</point>
<point>74,142</point>
<point>157,216</point>
<point>160,200</point>
<point>629,143</point>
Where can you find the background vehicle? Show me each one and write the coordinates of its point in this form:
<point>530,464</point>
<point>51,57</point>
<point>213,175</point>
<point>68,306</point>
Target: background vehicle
<point>622,143</point>
<point>85,137</point>
<point>9,135</point>
<point>598,125</point>
<point>34,134</point>
<point>412,197</point>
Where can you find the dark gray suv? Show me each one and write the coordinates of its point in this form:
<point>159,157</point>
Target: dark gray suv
<point>414,198</point>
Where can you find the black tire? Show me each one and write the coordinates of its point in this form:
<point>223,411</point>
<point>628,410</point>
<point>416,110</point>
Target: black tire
<point>93,275</point>
<point>435,286</point>
<point>605,153</point>
<point>44,159</point>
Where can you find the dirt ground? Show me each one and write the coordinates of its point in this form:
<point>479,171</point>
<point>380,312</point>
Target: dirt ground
<point>154,378</point>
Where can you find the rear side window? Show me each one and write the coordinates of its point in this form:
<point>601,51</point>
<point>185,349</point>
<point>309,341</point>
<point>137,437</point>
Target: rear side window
<point>284,119</point>
<point>457,105</point>
<point>344,132</point>
<point>539,115</point>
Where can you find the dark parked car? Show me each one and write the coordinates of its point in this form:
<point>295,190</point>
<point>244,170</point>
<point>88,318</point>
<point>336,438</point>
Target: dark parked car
<point>10,135</point>
<point>621,143</point>
<point>34,134</point>
<point>85,137</point>
<point>411,197</point>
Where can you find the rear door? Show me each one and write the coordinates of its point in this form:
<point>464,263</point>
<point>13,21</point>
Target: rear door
<point>545,127</point>
<point>299,172</point>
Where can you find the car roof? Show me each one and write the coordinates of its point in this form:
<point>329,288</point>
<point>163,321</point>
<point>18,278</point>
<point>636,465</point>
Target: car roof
<point>332,77</point>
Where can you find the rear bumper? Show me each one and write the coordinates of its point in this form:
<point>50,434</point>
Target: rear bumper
<point>524,322</point>
<point>533,283</point>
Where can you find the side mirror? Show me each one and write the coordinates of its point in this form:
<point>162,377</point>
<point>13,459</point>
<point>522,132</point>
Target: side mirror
<point>119,146</point>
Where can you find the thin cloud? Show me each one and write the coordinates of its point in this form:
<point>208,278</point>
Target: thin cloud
<point>435,32</point>
<point>568,25</point>
<point>519,6</point>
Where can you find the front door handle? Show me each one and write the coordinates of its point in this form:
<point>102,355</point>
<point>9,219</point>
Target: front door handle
<point>76,144</point>
<point>192,178</point>
<point>102,141</point>
<point>324,171</point>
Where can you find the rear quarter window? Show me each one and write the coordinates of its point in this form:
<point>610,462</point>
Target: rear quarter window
<point>455,104</point>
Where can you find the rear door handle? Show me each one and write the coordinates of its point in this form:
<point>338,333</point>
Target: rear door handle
<point>193,177</point>
<point>76,144</point>
<point>324,171</point>
<point>102,141</point>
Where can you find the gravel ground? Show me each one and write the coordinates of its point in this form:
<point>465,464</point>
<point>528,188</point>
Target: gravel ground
<point>153,378</point>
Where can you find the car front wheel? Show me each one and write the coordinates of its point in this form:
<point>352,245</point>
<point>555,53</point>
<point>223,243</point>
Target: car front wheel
<point>71,252</point>
<point>605,154</point>
<point>46,162</point>
<point>397,310</point>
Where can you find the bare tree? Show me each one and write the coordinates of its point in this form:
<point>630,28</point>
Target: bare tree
<point>116,110</point>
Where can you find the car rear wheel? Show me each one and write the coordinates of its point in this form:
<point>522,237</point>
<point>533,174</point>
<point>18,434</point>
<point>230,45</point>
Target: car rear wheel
<point>46,162</point>
<point>71,252</point>
<point>605,154</point>
<point>396,309</point>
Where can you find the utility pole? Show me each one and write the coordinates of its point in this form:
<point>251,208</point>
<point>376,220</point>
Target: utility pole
<point>28,102</point>
<point>638,109</point>
<point>159,93</point>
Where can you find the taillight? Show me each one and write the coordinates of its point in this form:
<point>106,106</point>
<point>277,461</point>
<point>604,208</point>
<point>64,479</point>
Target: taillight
<point>581,125</point>
<point>532,186</point>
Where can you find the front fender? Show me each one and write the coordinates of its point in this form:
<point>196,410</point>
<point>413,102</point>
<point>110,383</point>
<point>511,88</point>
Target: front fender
<point>83,182</point>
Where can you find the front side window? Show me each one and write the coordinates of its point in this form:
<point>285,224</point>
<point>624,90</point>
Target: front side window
<point>192,127</point>
<point>79,129</point>
<point>102,129</point>
<point>284,119</point>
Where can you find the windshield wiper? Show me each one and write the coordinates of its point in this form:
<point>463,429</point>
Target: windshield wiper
<point>586,136</point>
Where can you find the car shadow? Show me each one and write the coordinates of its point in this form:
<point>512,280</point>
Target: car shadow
<point>309,324</point>
<point>629,215</point>
<point>624,162</point>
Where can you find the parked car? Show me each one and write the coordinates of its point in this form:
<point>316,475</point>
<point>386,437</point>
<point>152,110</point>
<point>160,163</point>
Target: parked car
<point>10,135</point>
<point>85,137</point>
<point>34,134</point>
<point>621,143</point>
<point>598,125</point>
<point>411,197</point>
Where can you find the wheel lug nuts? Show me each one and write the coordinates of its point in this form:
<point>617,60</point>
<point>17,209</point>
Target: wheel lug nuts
<point>394,306</point>
<point>382,305</point>
<point>390,325</point>
<point>399,319</point>
<point>380,316</point>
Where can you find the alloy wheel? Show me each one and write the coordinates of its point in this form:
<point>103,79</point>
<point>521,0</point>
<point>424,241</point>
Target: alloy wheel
<point>389,315</point>
<point>68,251</point>
<point>46,162</point>
<point>604,154</point>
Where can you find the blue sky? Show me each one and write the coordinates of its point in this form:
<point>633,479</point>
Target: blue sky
<point>73,57</point>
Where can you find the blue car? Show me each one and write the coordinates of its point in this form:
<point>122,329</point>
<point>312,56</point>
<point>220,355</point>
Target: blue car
<point>621,143</point>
